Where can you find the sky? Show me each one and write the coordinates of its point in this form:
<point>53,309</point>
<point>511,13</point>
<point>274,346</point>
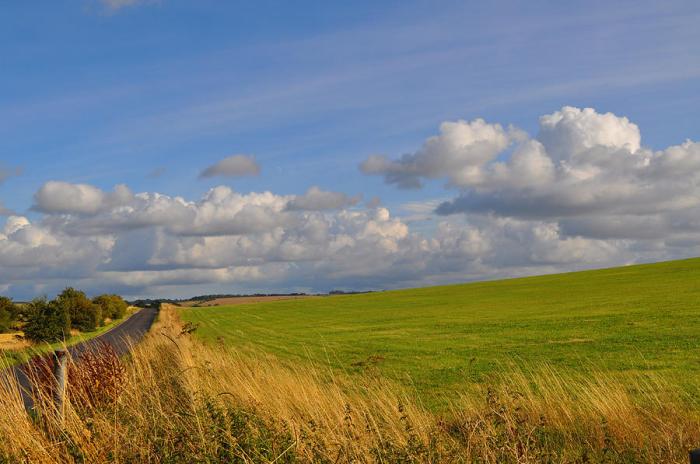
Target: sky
<point>175,148</point>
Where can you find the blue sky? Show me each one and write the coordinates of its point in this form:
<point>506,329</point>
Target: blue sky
<point>150,93</point>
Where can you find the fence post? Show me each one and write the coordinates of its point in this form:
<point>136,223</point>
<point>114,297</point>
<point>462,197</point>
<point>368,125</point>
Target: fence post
<point>695,456</point>
<point>60,374</point>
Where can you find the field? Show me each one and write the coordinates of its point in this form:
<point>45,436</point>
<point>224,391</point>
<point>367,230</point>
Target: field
<point>231,301</point>
<point>574,368</point>
<point>623,322</point>
<point>176,399</point>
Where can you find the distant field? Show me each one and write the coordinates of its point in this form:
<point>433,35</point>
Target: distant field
<point>237,300</point>
<point>624,320</point>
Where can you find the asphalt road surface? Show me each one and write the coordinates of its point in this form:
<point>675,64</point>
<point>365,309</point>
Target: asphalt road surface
<point>120,338</point>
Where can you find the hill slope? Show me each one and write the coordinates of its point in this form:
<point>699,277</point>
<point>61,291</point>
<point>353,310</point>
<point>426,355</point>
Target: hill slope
<point>619,320</point>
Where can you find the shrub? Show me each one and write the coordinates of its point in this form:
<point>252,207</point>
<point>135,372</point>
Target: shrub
<point>97,375</point>
<point>84,315</point>
<point>113,306</point>
<point>20,312</point>
<point>47,321</point>
<point>7,314</point>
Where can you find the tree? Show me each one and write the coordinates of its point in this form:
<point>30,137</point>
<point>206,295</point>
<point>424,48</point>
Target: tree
<point>84,315</point>
<point>8,312</point>
<point>20,312</point>
<point>47,321</point>
<point>113,306</point>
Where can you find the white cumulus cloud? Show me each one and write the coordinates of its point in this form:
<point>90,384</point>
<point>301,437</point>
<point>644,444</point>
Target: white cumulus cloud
<point>64,197</point>
<point>456,154</point>
<point>586,171</point>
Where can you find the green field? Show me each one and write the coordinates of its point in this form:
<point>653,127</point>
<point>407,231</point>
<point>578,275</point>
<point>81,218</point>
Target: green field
<point>624,320</point>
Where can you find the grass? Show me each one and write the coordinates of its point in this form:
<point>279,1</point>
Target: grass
<point>621,322</point>
<point>180,400</point>
<point>11,357</point>
<point>251,385</point>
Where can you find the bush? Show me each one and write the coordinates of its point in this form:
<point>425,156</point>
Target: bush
<point>96,376</point>
<point>7,312</point>
<point>84,315</point>
<point>113,306</point>
<point>47,321</point>
<point>20,313</point>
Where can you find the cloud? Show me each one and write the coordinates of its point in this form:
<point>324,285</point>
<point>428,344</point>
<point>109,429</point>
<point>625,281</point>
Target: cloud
<point>415,211</point>
<point>316,199</point>
<point>456,154</point>
<point>4,211</point>
<point>586,171</point>
<point>63,197</point>
<point>6,172</point>
<point>35,253</point>
<point>233,166</point>
<point>373,202</point>
<point>570,132</point>
<point>115,5</point>
<point>598,181</point>
<point>584,192</point>
<point>87,210</point>
<point>226,241</point>
<point>157,172</point>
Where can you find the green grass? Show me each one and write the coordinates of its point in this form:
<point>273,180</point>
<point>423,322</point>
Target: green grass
<point>12,357</point>
<point>624,320</point>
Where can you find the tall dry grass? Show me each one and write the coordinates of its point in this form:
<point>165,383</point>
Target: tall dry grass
<point>182,401</point>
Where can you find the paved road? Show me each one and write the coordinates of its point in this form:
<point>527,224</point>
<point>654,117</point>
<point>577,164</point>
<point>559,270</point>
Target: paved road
<point>120,337</point>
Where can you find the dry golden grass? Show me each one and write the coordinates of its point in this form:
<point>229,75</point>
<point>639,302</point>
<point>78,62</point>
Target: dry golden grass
<point>182,401</point>
<point>13,341</point>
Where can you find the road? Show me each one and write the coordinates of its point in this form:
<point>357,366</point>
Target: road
<point>131,330</point>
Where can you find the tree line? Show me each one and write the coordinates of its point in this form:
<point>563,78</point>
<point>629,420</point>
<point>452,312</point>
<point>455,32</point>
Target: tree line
<point>44,320</point>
